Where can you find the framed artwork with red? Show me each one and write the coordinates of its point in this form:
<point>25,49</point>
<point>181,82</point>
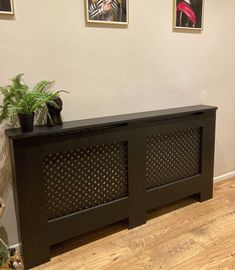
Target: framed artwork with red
<point>188,14</point>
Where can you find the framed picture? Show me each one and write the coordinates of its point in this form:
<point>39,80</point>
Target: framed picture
<point>6,7</point>
<point>107,11</point>
<point>188,14</point>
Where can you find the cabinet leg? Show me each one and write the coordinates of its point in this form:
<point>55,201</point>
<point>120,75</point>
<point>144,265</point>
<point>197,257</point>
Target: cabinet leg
<point>205,195</point>
<point>137,220</point>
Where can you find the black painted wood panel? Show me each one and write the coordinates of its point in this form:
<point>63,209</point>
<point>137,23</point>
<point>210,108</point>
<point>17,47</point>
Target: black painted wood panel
<point>90,173</point>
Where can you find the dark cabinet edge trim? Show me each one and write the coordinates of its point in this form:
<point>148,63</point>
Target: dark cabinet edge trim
<point>75,126</point>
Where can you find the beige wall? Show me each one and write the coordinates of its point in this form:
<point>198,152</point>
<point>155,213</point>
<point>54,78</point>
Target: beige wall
<point>111,71</point>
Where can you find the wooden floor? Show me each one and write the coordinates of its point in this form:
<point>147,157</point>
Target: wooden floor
<point>186,235</point>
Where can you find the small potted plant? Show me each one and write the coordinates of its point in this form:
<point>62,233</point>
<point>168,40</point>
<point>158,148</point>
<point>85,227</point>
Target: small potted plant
<point>19,100</point>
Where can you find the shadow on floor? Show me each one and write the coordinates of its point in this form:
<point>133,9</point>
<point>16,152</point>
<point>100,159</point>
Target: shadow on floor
<point>115,228</point>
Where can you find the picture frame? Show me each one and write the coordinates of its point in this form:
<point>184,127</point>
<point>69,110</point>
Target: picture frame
<point>188,15</point>
<point>107,11</point>
<point>6,7</point>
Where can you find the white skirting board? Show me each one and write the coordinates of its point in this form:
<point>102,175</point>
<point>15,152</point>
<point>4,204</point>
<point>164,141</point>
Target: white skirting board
<point>17,248</point>
<point>216,180</point>
<point>224,177</point>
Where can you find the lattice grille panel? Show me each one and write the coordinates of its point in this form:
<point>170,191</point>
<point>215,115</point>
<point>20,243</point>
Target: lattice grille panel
<point>79,179</point>
<point>173,156</point>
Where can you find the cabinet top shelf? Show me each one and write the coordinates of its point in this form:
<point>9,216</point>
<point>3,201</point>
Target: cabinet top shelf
<point>75,126</point>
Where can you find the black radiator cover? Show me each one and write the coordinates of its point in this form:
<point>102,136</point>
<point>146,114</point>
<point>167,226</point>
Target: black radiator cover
<point>85,174</point>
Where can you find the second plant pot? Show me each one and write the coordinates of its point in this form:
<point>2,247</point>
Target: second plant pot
<point>26,121</point>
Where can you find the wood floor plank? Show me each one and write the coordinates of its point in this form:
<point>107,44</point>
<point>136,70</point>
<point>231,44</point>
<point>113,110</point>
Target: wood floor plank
<point>220,256</point>
<point>215,230</point>
<point>91,256</point>
<point>165,255</point>
<point>168,226</point>
<point>136,262</point>
<point>224,187</point>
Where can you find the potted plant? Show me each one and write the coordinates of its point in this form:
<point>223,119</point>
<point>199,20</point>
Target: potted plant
<point>19,100</point>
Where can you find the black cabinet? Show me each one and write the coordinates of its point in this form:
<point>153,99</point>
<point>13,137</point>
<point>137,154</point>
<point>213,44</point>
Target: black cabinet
<point>86,174</point>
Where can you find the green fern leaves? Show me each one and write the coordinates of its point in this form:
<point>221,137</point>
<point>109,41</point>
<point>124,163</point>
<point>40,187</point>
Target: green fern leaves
<point>18,98</point>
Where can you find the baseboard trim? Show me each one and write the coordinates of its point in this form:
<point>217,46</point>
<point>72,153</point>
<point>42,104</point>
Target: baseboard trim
<point>224,177</point>
<point>16,246</point>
